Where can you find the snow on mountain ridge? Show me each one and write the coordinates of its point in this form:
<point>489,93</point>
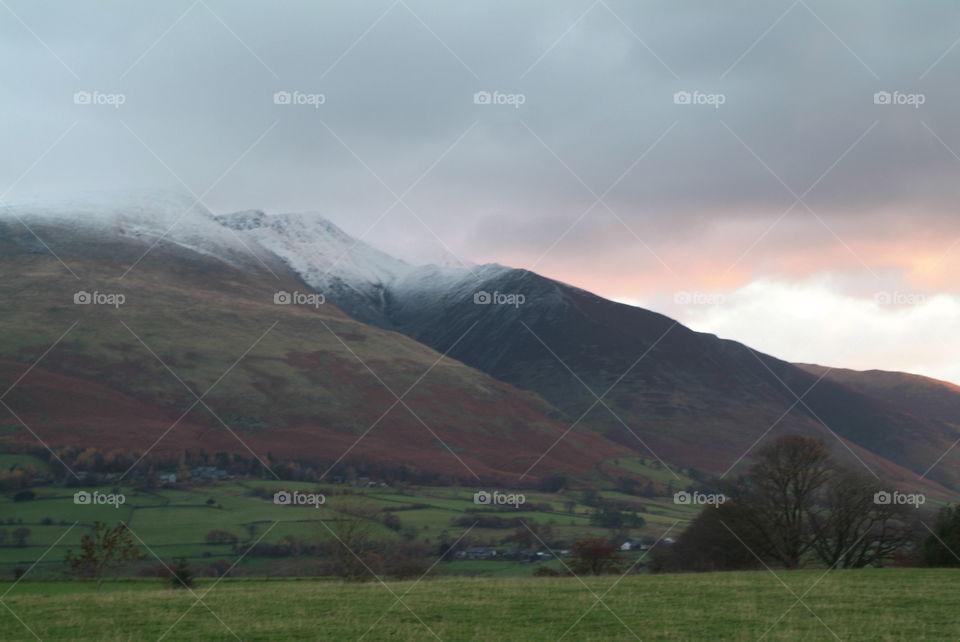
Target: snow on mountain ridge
<point>110,208</point>
<point>359,278</point>
<point>329,259</point>
<point>145,216</point>
<point>320,252</point>
<point>324,256</point>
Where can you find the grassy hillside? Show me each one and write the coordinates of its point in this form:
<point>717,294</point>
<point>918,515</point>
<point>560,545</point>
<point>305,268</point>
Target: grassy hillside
<point>310,383</point>
<point>870,605</point>
<point>692,398</point>
<point>918,395</point>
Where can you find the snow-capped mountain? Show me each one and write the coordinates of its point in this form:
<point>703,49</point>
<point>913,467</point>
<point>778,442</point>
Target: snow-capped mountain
<point>692,398</point>
<point>146,217</point>
<point>287,382</point>
<point>316,248</point>
<point>365,282</point>
<point>359,278</point>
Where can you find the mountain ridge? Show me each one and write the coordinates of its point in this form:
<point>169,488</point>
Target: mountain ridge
<point>644,381</point>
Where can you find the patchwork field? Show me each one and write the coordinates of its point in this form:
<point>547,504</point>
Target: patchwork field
<point>174,523</point>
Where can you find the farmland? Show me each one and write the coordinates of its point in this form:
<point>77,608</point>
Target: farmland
<point>174,522</point>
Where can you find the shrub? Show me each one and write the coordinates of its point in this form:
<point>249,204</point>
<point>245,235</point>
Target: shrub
<point>594,556</point>
<point>181,577</point>
<point>938,547</point>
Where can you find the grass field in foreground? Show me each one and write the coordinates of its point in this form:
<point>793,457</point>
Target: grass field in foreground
<point>875,605</point>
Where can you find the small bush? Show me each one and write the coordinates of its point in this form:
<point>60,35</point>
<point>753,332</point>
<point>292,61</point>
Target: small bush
<point>181,577</point>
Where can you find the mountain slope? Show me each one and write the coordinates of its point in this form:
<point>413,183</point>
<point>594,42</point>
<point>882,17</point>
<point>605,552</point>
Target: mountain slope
<point>665,392</point>
<point>281,381</point>
<point>686,397</point>
<point>914,394</point>
<point>355,274</point>
<point>692,398</point>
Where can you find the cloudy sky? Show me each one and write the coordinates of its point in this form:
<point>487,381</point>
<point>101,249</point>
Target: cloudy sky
<point>799,192</point>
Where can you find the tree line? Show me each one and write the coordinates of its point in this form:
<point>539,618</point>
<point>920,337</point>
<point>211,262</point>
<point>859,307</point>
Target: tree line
<point>797,506</point>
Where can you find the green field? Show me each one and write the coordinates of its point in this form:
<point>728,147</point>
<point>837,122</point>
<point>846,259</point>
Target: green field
<point>874,605</point>
<point>9,460</point>
<point>171,523</point>
<point>174,522</point>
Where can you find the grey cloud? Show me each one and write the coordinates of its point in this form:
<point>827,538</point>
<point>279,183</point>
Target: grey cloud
<point>399,99</point>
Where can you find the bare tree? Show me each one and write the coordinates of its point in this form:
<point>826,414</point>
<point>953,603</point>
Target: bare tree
<point>105,547</point>
<point>853,531</point>
<point>771,507</point>
<point>795,505</point>
<point>352,547</point>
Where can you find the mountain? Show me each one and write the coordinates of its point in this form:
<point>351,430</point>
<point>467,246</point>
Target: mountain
<point>283,381</point>
<point>914,394</point>
<point>364,281</point>
<point>690,398</point>
<point>687,398</point>
<point>527,356</point>
<point>140,217</point>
